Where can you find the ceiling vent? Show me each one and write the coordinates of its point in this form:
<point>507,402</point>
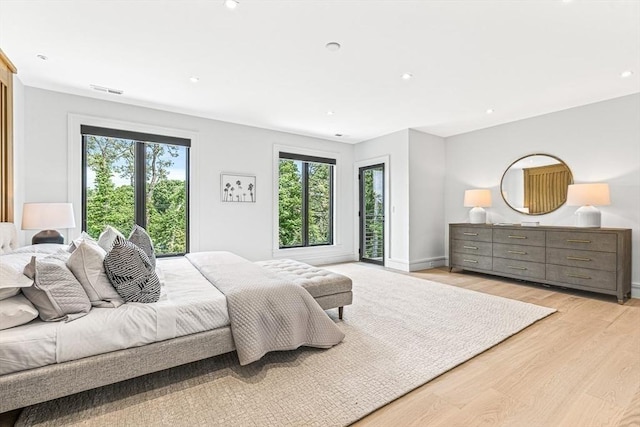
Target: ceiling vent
<point>106,90</point>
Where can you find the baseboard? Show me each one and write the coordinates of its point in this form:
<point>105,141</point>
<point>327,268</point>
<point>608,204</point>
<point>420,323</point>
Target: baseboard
<point>397,264</point>
<point>427,263</point>
<point>635,290</point>
<point>326,259</point>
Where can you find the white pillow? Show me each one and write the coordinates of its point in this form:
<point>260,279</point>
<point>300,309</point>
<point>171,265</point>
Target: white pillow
<point>16,311</point>
<point>11,276</point>
<point>107,237</point>
<point>56,292</point>
<point>87,264</point>
<point>83,236</point>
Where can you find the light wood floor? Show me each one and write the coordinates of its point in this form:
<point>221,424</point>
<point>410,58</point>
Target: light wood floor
<point>578,367</point>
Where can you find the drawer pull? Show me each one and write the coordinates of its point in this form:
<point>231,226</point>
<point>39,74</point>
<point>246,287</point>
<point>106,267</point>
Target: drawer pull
<point>577,258</point>
<point>517,237</point>
<point>517,252</point>
<point>470,234</point>
<point>470,260</point>
<point>475,248</point>
<point>579,276</point>
<point>578,241</point>
<point>516,268</point>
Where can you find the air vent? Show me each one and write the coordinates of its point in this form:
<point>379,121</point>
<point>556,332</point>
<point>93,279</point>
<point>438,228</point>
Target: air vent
<point>106,90</point>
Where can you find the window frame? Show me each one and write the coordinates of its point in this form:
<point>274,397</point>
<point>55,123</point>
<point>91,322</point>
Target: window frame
<point>306,159</point>
<point>140,139</point>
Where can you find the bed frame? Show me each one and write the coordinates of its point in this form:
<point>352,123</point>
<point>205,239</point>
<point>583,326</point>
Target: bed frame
<point>24,388</point>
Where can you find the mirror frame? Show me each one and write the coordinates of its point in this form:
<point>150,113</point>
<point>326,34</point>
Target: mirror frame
<point>524,157</point>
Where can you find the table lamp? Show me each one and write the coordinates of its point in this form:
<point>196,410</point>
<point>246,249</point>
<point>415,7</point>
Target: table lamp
<point>47,217</point>
<point>477,200</point>
<point>588,196</point>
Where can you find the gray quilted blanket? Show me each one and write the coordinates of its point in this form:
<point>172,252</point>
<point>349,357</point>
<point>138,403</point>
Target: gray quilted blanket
<point>267,313</point>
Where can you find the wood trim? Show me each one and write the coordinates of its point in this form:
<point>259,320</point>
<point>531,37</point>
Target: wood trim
<point>7,69</point>
<point>6,64</point>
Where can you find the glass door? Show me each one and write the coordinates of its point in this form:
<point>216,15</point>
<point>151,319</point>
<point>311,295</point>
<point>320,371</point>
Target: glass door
<point>371,214</point>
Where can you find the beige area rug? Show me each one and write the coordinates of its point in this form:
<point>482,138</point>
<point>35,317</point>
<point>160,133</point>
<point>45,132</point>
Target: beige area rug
<point>401,332</point>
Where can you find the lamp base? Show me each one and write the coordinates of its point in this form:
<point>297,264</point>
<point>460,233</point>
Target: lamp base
<point>477,215</point>
<point>588,216</point>
<point>47,236</point>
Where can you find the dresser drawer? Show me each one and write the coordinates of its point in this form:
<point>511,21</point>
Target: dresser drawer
<point>603,242</point>
<point>584,259</point>
<point>519,237</point>
<point>530,270</point>
<point>476,234</point>
<point>471,247</point>
<point>472,261</point>
<point>519,252</point>
<point>587,277</point>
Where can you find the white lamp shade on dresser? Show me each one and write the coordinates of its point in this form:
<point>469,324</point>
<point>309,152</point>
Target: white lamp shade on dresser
<point>47,217</point>
<point>477,199</point>
<point>588,196</point>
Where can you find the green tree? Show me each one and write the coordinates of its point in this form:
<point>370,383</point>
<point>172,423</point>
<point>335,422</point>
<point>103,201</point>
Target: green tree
<point>290,203</point>
<point>373,215</point>
<point>167,216</point>
<point>108,204</point>
<point>319,203</point>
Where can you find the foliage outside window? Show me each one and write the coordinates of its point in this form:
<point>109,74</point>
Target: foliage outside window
<point>305,200</point>
<point>131,178</point>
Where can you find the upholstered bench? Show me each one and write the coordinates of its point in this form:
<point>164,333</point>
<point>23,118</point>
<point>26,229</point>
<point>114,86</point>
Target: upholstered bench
<point>329,289</point>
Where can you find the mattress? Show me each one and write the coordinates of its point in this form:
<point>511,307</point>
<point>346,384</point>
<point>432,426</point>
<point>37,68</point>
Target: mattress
<point>189,304</point>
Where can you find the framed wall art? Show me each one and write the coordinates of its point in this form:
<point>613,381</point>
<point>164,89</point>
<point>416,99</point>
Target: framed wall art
<point>236,188</point>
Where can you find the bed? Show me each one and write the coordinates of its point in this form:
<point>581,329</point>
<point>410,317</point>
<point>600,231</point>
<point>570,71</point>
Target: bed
<point>40,361</point>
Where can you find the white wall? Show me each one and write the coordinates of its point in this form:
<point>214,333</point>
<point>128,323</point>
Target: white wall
<point>396,147</point>
<point>426,200</point>
<point>599,142</point>
<point>416,180</point>
<point>222,147</point>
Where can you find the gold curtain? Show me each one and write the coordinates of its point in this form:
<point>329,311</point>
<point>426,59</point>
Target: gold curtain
<point>545,187</point>
<point>7,70</point>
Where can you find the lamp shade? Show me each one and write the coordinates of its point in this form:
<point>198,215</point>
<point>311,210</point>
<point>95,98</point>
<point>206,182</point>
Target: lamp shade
<point>593,194</point>
<point>477,198</point>
<point>47,216</point>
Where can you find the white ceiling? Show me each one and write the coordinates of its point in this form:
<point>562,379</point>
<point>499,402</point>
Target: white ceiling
<point>265,64</point>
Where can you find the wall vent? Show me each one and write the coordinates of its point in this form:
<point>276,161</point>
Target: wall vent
<point>106,90</point>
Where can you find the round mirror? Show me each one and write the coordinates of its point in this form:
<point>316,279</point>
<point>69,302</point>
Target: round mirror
<point>536,184</point>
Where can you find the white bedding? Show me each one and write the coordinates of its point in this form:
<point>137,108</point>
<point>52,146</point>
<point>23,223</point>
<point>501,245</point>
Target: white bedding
<point>191,305</point>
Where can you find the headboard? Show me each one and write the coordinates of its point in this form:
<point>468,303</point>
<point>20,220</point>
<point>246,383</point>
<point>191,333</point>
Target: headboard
<point>8,237</point>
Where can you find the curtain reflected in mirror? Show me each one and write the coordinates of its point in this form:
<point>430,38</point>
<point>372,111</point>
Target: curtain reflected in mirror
<point>536,184</point>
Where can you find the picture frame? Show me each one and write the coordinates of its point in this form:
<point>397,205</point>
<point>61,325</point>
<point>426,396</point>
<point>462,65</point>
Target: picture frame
<point>237,188</point>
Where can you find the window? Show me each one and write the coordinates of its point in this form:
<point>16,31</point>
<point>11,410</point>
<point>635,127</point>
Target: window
<point>305,200</point>
<point>136,178</point>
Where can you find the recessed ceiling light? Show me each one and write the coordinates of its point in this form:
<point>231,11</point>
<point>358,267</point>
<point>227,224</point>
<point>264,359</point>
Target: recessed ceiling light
<point>231,4</point>
<point>625,74</point>
<point>194,79</point>
<point>333,46</point>
<point>407,76</point>
<point>330,113</point>
<point>489,111</point>
<point>43,57</point>
<point>567,1</point>
<point>107,89</point>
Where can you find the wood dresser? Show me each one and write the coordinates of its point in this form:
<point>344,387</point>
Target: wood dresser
<point>590,259</point>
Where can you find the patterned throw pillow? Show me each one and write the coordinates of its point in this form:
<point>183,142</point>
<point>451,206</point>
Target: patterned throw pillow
<point>141,239</point>
<point>131,273</point>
